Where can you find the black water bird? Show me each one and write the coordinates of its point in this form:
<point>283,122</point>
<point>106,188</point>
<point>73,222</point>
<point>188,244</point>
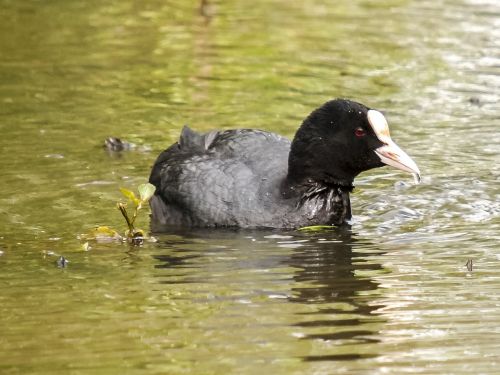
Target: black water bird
<point>253,178</point>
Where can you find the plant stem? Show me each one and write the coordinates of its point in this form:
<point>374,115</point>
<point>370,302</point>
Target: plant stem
<point>134,216</point>
<point>125,215</point>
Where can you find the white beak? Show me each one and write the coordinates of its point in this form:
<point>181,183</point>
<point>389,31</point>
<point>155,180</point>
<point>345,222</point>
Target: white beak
<point>392,155</point>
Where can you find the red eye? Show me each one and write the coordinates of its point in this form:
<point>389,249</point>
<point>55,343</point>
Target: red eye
<point>359,132</point>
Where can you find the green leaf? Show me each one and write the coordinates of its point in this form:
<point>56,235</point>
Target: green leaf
<point>316,228</point>
<point>146,191</point>
<point>130,195</point>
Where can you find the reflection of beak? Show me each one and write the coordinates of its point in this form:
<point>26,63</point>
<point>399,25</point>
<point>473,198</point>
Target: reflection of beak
<point>392,155</point>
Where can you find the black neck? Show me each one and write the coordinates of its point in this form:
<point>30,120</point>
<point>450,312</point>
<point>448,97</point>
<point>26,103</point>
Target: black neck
<point>323,203</point>
<point>308,188</point>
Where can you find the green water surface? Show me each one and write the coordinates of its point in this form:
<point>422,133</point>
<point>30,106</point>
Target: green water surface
<point>390,296</point>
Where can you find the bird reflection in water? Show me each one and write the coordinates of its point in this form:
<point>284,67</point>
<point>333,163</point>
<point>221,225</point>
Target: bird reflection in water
<point>329,276</point>
<point>332,273</point>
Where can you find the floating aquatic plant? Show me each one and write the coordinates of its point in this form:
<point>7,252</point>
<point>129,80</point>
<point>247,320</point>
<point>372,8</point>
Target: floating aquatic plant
<point>133,235</point>
<point>146,191</point>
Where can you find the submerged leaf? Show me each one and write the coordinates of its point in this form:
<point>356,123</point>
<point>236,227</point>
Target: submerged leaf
<point>146,191</point>
<point>131,196</point>
<point>86,246</point>
<point>316,228</point>
<point>104,234</point>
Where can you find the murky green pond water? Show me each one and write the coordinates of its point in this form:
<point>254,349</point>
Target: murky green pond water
<point>391,296</point>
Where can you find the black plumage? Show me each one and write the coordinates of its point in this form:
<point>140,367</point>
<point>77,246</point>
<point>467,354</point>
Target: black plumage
<point>253,178</point>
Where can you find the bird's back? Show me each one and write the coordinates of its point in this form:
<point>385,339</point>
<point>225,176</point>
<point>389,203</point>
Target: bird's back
<point>226,178</point>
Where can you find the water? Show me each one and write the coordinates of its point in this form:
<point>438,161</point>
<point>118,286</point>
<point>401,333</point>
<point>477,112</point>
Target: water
<point>393,295</point>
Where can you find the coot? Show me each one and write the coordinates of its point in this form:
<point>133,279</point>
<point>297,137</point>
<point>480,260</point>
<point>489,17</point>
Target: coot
<point>253,178</point>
